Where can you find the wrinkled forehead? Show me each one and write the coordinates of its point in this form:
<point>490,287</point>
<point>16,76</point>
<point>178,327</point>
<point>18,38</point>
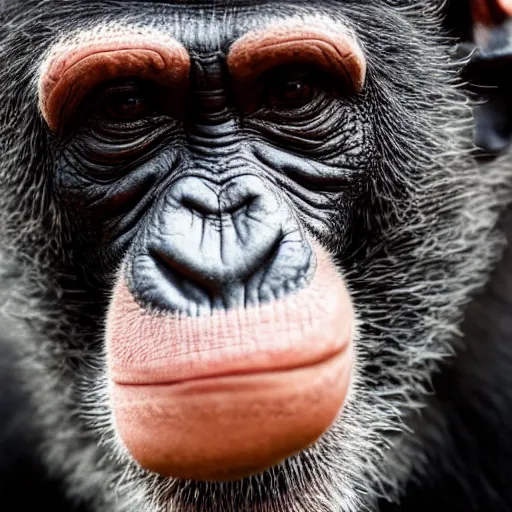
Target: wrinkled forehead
<point>207,26</point>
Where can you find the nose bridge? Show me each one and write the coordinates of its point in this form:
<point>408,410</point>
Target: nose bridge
<point>213,134</point>
<point>221,198</point>
<point>211,126</point>
<point>210,99</point>
<point>214,145</point>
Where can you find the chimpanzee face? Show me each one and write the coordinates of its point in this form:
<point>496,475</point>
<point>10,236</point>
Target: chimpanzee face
<point>260,207</point>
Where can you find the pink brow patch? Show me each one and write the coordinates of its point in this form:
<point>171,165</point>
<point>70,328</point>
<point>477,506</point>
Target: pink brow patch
<point>73,72</point>
<point>260,50</point>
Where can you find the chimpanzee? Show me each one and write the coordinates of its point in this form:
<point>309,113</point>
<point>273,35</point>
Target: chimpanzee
<point>254,255</point>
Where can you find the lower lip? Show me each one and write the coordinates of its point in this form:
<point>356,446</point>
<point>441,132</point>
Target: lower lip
<point>229,427</point>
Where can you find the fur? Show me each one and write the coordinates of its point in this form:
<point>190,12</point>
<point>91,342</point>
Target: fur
<point>415,254</point>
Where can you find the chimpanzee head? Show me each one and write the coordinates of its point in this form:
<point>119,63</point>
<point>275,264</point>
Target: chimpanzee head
<point>246,234</point>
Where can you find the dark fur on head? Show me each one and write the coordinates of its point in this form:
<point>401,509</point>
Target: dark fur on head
<point>421,240</point>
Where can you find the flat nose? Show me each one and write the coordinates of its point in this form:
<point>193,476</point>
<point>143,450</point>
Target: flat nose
<point>214,247</point>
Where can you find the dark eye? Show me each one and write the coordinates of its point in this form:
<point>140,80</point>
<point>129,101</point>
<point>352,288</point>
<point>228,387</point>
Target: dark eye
<point>289,90</point>
<point>126,103</point>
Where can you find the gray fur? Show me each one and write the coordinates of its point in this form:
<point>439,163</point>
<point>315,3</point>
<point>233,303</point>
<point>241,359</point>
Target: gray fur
<point>432,215</point>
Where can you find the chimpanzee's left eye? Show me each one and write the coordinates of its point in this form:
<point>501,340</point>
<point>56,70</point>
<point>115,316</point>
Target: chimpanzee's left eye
<point>128,102</point>
<point>292,88</point>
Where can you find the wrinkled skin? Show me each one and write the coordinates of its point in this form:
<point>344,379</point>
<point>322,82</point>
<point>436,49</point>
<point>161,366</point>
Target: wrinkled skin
<point>384,179</point>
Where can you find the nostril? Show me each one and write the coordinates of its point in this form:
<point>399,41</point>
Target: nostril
<point>239,204</point>
<point>224,206</point>
<point>171,269</point>
<point>200,205</point>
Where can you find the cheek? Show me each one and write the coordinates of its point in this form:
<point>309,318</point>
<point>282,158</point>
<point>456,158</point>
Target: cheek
<point>227,395</point>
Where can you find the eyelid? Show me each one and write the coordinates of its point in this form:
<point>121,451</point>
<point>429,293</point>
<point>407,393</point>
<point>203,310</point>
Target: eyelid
<point>309,74</point>
<point>115,91</point>
<point>255,98</point>
<point>130,86</point>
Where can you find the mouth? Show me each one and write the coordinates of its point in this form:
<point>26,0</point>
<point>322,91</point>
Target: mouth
<point>228,395</point>
<point>231,426</point>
